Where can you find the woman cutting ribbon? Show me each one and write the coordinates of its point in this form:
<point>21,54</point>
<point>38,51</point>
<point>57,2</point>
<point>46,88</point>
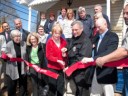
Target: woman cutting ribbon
<point>35,55</point>
<point>56,62</point>
<point>15,71</point>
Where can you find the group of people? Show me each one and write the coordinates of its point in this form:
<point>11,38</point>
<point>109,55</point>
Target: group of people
<point>56,46</point>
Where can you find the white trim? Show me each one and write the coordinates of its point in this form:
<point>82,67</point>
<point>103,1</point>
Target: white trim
<point>124,25</point>
<point>37,2</point>
<point>29,19</point>
<point>108,8</point>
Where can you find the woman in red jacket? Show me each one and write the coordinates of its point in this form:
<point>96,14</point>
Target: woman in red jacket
<point>56,62</point>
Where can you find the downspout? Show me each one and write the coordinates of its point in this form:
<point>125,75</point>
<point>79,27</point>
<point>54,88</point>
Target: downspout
<point>124,25</point>
<point>29,19</point>
<point>108,3</point>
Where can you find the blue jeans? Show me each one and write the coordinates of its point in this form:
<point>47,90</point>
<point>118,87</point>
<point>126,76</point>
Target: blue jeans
<point>125,90</point>
<point>120,82</point>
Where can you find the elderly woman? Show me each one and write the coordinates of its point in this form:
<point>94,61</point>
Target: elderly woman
<point>56,61</point>
<point>35,55</point>
<point>15,71</point>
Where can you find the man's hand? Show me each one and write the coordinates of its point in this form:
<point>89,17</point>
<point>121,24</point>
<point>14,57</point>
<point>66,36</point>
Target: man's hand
<point>9,55</point>
<point>63,50</point>
<point>100,61</point>
<point>86,60</point>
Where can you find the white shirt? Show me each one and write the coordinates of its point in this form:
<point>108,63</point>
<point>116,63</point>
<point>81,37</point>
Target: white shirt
<point>42,22</point>
<point>43,38</point>
<point>2,43</point>
<point>67,30</point>
<point>60,19</point>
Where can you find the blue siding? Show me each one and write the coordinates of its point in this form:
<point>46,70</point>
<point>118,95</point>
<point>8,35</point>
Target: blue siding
<point>10,9</point>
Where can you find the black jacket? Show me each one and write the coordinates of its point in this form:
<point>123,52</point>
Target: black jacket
<point>109,43</point>
<point>41,55</point>
<point>78,48</point>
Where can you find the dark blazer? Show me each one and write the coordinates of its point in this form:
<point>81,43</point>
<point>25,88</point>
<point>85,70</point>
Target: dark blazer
<point>42,62</point>
<point>109,43</point>
<point>24,35</point>
<point>41,55</point>
<point>7,40</point>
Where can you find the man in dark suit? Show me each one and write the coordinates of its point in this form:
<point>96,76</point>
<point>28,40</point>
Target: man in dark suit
<point>97,9</point>
<point>120,53</point>
<point>104,77</point>
<point>6,31</point>
<point>18,25</point>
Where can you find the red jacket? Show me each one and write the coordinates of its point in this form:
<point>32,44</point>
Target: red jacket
<point>53,53</point>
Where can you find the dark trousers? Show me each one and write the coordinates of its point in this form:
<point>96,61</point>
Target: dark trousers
<point>82,89</point>
<point>38,83</point>
<point>56,87</point>
<point>12,86</point>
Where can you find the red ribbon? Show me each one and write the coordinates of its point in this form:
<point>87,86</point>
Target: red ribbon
<point>35,67</point>
<point>79,65</point>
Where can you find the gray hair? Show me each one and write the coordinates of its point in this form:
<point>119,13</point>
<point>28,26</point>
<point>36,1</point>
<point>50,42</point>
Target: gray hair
<point>17,19</point>
<point>81,9</point>
<point>78,23</point>
<point>15,33</point>
<point>98,5</point>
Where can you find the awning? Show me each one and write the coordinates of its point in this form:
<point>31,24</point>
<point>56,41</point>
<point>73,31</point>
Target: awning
<point>42,5</point>
<point>24,2</point>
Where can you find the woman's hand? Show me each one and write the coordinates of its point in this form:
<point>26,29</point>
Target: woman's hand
<point>64,50</point>
<point>61,62</point>
<point>9,55</point>
<point>64,55</point>
<point>27,68</point>
<point>65,69</point>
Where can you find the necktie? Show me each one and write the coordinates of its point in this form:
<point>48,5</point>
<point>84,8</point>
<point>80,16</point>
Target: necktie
<point>100,39</point>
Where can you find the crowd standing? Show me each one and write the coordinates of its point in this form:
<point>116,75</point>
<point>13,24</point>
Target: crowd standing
<point>57,45</point>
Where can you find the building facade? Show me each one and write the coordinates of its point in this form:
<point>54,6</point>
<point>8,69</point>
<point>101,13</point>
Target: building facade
<point>10,10</point>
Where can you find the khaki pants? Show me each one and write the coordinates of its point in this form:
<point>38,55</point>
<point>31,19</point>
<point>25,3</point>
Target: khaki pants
<point>100,89</point>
